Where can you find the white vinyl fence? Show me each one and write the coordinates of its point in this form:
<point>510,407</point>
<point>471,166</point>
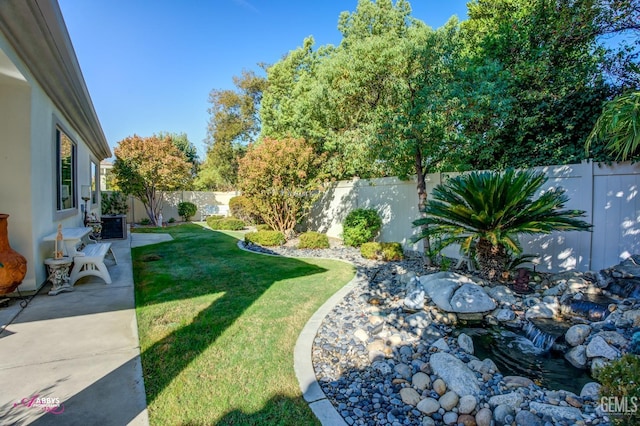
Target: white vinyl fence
<point>207,203</point>
<point>608,194</point>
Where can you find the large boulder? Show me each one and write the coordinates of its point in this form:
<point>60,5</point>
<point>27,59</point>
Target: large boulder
<point>558,413</point>
<point>470,298</point>
<point>440,292</point>
<point>457,376</point>
<point>577,334</point>
<point>598,347</point>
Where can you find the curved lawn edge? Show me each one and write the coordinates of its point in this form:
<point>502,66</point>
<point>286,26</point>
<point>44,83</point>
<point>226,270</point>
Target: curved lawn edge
<point>302,352</point>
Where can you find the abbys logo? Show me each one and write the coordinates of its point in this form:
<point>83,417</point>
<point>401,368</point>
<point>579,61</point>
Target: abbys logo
<point>50,405</point>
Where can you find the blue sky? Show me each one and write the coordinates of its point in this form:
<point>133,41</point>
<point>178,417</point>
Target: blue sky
<point>149,65</point>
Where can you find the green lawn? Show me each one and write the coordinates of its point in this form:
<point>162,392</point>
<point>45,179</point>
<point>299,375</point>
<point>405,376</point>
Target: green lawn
<point>218,325</point>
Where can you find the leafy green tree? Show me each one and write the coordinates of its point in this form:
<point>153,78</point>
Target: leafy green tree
<point>234,122</point>
<point>485,212</point>
<point>619,127</point>
<point>147,167</point>
<point>281,179</point>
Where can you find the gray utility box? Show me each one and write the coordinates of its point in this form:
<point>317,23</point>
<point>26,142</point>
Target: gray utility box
<point>114,227</point>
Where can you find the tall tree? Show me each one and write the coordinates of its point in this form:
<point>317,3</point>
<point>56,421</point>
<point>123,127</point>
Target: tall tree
<point>147,167</point>
<point>234,122</point>
<point>181,141</point>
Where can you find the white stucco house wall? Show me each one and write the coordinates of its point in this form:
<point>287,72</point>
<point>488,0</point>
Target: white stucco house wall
<point>51,141</point>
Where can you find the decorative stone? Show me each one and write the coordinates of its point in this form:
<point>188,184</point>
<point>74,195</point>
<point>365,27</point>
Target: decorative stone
<point>577,334</point>
<point>409,396</point>
<point>574,401</point>
<point>414,300</point>
<point>420,381</point>
<point>501,412</point>
<point>556,412</point>
<point>512,399</point>
<point>598,347</point>
<point>577,356</point>
<point>361,335</point>
<point>439,386</point>
<point>403,370</point>
<point>467,404</point>
<point>632,315</point>
<point>450,418</point>
<point>504,315</point>
<point>613,338</point>
<point>419,320</point>
<point>466,420</point>
<point>455,374</point>
<point>471,298</point>
<point>428,406</point>
<point>484,417</point>
<point>598,363</point>
<point>441,344</point>
<point>465,343</point>
<point>440,291</point>
<point>502,294</point>
<point>449,400</point>
<point>428,421</point>
<point>517,382</point>
<point>382,367</point>
<point>591,390</point>
<point>527,418</point>
<point>542,310</point>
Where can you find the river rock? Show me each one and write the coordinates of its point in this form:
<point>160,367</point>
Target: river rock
<point>598,347</point>
<point>420,381</point>
<point>556,412</point>
<point>361,335</point>
<point>502,294</point>
<point>591,390</point>
<point>542,310</point>
<point>501,412</point>
<point>470,298</point>
<point>504,315</point>
<point>439,386</point>
<point>450,418</point>
<point>458,377</point>
<point>484,417</point>
<point>527,418</point>
<point>419,320</point>
<point>517,382</point>
<point>512,399</point>
<point>409,396</point>
<point>414,300</point>
<point>467,404</point>
<point>449,400</point>
<point>428,406</point>
<point>466,420</point>
<point>576,334</point>
<point>441,344</point>
<point>465,343</point>
<point>403,370</point>
<point>577,356</point>
<point>632,315</point>
<point>598,363</point>
<point>440,291</point>
<point>613,338</point>
<point>428,421</point>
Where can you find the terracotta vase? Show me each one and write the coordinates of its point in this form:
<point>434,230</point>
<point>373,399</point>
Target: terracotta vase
<point>13,266</point>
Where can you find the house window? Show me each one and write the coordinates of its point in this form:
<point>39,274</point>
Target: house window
<point>65,171</point>
<point>95,186</point>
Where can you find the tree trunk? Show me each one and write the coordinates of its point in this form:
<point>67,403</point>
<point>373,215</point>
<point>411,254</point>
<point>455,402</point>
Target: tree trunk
<point>492,259</point>
<point>422,202</point>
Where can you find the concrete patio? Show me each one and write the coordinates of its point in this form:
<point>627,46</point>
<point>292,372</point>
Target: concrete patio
<point>79,349</point>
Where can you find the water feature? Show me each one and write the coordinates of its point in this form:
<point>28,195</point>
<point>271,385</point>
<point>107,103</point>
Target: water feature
<point>543,333</point>
<point>516,355</point>
<point>593,308</point>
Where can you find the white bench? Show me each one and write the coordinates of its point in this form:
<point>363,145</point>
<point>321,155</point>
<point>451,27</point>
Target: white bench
<point>90,261</point>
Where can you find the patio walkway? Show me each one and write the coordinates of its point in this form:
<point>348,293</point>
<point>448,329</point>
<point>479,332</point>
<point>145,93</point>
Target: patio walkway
<point>78,348</point>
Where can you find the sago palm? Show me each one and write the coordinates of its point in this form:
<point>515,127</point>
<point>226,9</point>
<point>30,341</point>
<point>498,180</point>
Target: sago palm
<point>488,210</point>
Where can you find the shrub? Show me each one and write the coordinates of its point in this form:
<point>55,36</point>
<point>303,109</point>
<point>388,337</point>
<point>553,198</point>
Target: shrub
<point>172,220</point>
<point>619,380</point>
<point>263,227</point>
<point>113,203</point>
<point>265,238</point>
<point>360,226</point>
<point>382,251</point>
<point>242,208</point>
<point>187,210</point>
<point>313,240</point>
<point>145,221</point>
<point>227,224</point>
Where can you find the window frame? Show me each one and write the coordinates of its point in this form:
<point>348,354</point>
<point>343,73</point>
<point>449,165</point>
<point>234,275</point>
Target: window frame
<point>94,178</point>
<point>62,212</point>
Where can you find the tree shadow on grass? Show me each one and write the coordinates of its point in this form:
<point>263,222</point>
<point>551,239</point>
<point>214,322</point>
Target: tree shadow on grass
<point>200,264</point>
<point>270,414</point>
